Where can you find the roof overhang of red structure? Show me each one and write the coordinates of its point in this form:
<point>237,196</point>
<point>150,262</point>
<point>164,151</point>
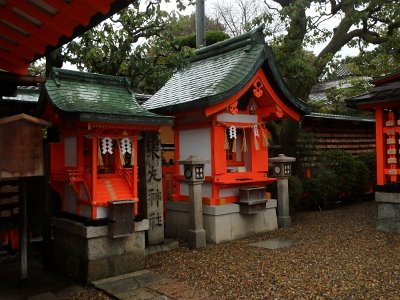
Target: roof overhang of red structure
<point>29,29</point>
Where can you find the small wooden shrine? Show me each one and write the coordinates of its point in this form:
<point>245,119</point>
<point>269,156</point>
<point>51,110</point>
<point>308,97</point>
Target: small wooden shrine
<point>94,162</point>
<point>221,102</point>
<point>94,169</point>
<point>384,100</point>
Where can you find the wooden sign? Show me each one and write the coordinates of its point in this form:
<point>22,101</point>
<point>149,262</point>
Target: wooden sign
<point>21,146</point>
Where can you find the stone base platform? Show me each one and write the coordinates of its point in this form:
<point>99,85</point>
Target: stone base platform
<point>388,211</point>
<point>87,253</point>
<point>222,223</point>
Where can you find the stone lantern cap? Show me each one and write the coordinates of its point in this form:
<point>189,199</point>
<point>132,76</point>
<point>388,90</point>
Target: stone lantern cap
<point>282,158</point>
<point>193,160</point>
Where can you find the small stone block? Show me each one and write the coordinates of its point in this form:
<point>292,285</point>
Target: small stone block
<point>142,225</point>
<point>196,238</point>
<point>252,209</point>
<point>118,286</point>
<point>146,278</point>
<point>274,244</point>
<point>138,294</point>
<point>284,222</point>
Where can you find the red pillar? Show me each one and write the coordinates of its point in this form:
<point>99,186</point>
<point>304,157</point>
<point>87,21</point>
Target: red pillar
<point>94,175</point>
<point>380,146</point>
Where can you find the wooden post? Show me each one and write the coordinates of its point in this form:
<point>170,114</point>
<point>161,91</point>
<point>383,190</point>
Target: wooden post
<point>23,244</point>
<point>46,224</point>
<point>135,172</point>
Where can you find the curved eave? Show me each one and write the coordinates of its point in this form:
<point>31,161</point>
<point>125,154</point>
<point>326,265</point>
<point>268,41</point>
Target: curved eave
<point>267,63</point>
<point>274,77</point>
<point>110,118</point>
<point>99,117</point>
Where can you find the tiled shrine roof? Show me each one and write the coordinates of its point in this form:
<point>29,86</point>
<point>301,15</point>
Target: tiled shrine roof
<point>220,71</point>
<point>96,97</point>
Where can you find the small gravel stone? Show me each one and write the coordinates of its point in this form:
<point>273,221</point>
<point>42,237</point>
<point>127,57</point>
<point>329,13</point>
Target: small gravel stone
<point>340,255</point>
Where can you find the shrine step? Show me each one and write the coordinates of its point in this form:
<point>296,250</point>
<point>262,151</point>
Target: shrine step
<point>113,189</point>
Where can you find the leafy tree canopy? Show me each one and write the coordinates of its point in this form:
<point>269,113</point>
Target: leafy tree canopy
<point>336,23</point>
<point>145,44</point>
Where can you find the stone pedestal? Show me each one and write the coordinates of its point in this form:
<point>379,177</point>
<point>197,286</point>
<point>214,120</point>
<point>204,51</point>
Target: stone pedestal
<point>196,235</point>
<point>282,169</point>
<point>194,176</point>
<point>388,211</point>
<point>222,223</point>
<point>284,219</point>
<point>87,253</point>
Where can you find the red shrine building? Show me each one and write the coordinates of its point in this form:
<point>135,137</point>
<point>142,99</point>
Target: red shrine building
<point>384,100</point>
<point>95,158</point>
<point>221,102</point>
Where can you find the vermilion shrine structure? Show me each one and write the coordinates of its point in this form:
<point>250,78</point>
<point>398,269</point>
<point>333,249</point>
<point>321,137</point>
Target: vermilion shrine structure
<point>94,169</point>
<point>384,100</point>
<point>221,102</point>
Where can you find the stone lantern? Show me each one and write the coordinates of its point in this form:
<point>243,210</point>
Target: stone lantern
<point>193,170</point>
<point>282,169</point>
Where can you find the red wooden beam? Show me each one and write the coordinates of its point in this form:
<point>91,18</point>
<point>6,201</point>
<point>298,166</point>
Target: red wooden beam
<point>100,6</point>
<point>15,50</point>
<point>32,44</point>
<point>57,23</point>
<point>39,31</point>
<point>76,11</point>
<point>13,68</point>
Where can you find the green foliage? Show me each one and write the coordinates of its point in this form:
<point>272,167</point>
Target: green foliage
<point>107,48</point>
<point>323,189</point>
<point>37,68</point>
<point>305,151</point>
<point>338,176</point>
<point>295,191</point>
<point>342,163</point>
<point>212,37</point>
<point>183,25</point>
<point>296,67</point>
<point>147,45</point>
<point>369,160</point>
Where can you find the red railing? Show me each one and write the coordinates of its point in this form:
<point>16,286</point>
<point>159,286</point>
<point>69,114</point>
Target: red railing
<point>69,174</point>
<point>127,174</point>
<point>168,182</point>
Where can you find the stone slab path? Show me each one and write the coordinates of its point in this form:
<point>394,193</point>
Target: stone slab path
<point>146,285</point>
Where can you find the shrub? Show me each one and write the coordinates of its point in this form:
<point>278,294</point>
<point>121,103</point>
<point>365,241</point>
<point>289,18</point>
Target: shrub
<point>323,189</point>
<point>343,165</point>
<point>369,160</point>
<point>338,176</point>
<point>295,192</point>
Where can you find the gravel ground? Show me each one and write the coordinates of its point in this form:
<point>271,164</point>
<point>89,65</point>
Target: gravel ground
<point>340,255</point>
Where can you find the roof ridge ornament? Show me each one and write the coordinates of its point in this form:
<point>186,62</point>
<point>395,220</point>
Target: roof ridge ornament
<point>248,40</point>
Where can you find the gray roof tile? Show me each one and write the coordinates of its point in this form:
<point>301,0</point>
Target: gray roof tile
<point>220,71</point>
